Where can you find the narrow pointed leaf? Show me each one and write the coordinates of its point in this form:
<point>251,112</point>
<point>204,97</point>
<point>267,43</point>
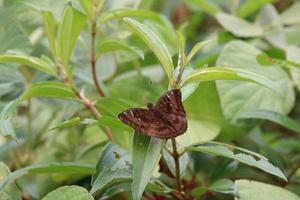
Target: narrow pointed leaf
<point>196,49</point>
<point>29,61</point>
<point>145,156</point>
<point>247,157</point>
<point>50,29</point>
<point>222,73</point>
<point>278,118</point>
<point>68,31</point>
<point>48,89</point>
<point>67,123</point>
<point>154,43</point>
<point>44,168</point>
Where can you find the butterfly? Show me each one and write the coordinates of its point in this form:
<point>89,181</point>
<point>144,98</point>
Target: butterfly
<point>165,120</point>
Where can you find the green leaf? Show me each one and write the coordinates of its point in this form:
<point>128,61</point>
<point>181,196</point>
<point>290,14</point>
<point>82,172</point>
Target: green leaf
<point>198,131</point>
<point>88,7</point>
<point>50,29</point>
<point>11,191</point>
<point>222,73</point>
<point>291,15</point>
<point>113,166</point>
<point>278,118</point>
<point>19,43</point>
<point>196,49</point>
<point>145,157</point>
<point>224,186</point>
<point>241,55</point>
<point>247,157</point>
<point>67,123</point>
<point>249,7</point>
<point>169,160</point>
<point>206,6</point>
<point>252,190</point>
<point>158,187</point>
<point>140,13</point>
<point>115,45</point>
<point>68,31</point>
<point>29,61</point>
<point>6,125</point>
<point>238,26</point>
<point>154,43</point>
<point>44,168</point>
<point>73,192</point>
<point>112,122</point>
<point>48,89</point>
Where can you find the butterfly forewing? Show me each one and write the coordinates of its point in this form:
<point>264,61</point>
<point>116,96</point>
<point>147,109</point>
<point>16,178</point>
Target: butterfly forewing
<point>167,119</point>
<point>144,121</point>
<point>170,105</point>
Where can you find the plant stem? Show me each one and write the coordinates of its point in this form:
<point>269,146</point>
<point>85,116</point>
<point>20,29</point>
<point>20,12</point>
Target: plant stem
<point>93,57</point>
<point>91,106</point>
<point>294,170</point>
<point>177,165</point>
<point>29,117</point>
<point>68,80</point>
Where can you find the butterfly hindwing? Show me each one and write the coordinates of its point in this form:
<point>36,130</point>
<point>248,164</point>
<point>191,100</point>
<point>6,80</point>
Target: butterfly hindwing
<point>144,121</point>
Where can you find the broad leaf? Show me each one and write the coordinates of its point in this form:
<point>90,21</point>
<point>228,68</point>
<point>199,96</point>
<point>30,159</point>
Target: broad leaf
<point>252,190</point>
<point>249,7</point>
<point>29,61</point>
<point>11,191</point>
<point>291,15</point>
<point>19,43</point>
<point>154,43</point>
<point>112,167</point>
<point>238,26</point>
<point>68,31</point>
<point>145,156</point>
<point>6,125</point>
<point>198,131</point>
<point>247,157</point>
<point>240,55</point>
<point>73,192</point>
<point>42,168</point>
<point>278,118</point>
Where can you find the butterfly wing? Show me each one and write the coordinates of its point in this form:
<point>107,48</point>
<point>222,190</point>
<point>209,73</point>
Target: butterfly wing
<point>170,105</point>
<point>145,121</point>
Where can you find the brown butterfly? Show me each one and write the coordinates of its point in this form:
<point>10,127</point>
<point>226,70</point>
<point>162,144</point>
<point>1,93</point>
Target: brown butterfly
<point>165,120</point>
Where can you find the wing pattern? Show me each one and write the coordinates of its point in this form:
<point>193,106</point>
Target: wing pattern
<point>165,120</point>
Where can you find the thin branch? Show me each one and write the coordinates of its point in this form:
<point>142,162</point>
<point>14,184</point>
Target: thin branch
<point>93,58</point>
<point>292,173</point>
<point>177,166</point>
<point>85,101</point>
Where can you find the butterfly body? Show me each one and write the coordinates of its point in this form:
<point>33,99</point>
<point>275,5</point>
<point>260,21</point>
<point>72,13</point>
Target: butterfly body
<point>165,120</point>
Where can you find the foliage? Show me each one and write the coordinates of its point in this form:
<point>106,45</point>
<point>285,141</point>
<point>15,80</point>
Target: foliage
<point>68,68</point>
